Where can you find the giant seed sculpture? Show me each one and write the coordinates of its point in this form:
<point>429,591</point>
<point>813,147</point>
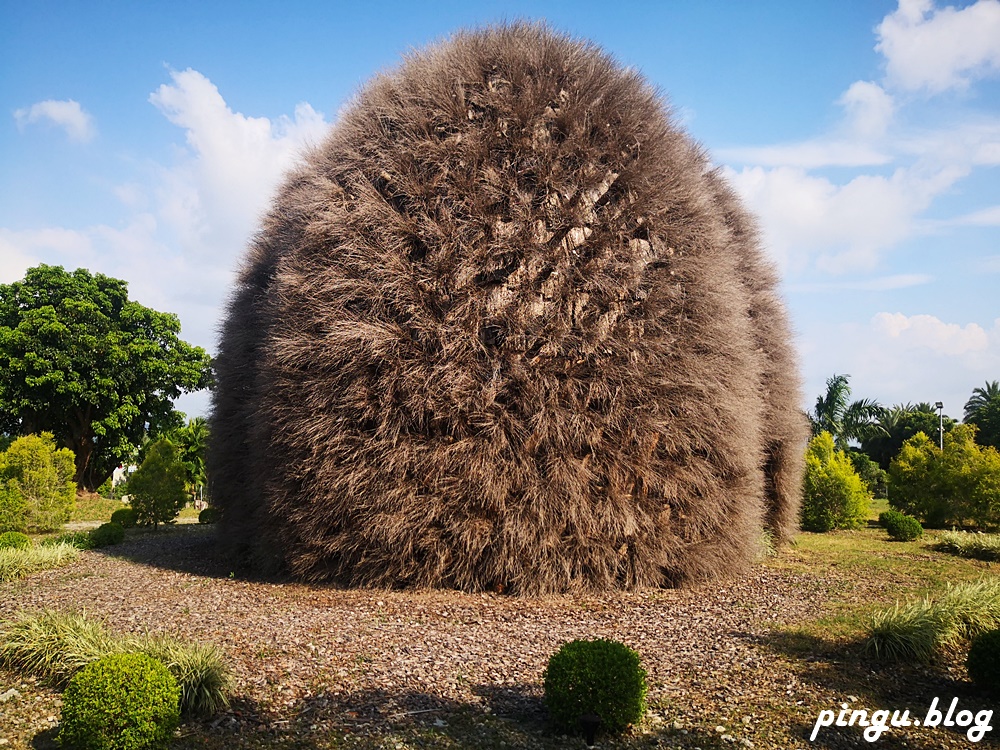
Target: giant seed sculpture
<point>506,329</point>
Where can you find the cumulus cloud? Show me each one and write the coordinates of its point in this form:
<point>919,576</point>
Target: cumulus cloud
<point>809,220</point>
<point>232,164</point>
<point>869,109</point>
<point>186,223</point>
<point>900,358</point>
<point>936,49</point>
<point>68,115</point>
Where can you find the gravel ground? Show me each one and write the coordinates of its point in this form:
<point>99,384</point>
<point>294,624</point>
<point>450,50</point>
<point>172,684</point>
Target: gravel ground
<point>318,666</point>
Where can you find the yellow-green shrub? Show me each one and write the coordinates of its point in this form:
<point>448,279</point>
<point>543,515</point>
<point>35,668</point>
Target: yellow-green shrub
<point>36,484</point>
<point>834,496</point>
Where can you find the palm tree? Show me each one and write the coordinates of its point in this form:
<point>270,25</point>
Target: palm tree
<point>980,398</point>
<point>846,420</point>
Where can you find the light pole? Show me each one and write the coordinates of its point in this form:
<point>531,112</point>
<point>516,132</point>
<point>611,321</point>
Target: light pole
<point>940,407</point>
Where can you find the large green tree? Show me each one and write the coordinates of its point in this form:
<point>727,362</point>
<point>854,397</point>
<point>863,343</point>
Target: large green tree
<point>983,410</point>
<point>897,425</point>
<point>81,360</point>
<point>844,419</point>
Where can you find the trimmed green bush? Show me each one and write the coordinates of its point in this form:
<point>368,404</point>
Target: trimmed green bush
<point>14,540</point>
<point>209,515</point>
<point>125,517</point>
<point>595,677</point>
<point>833,497</point>
<point>983,662</point>
<point>120,702</point>
<point>886,517</point>
<point>107,534</point>
<point>904,528</point>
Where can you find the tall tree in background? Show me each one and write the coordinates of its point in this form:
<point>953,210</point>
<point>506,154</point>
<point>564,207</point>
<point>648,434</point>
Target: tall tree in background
<point>844,419</point>
<point>191,442</point>
<point>897,425</point>
<point>983,410</point>
<point>82,361</point>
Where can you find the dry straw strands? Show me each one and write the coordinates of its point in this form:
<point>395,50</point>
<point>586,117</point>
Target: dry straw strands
<point>506,329</point>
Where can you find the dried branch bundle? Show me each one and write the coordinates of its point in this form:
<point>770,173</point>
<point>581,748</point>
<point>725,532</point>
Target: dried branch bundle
<point>506,329</point>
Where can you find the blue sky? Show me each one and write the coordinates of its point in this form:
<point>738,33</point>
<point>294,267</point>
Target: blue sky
<point>143,141</point>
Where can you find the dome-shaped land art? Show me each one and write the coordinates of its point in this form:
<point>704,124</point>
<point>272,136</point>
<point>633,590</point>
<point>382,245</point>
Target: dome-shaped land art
<point>506,329</point>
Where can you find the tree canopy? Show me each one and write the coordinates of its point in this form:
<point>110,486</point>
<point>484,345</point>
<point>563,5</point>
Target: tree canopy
<point>983,410</point>
<point>81,360</point>
<point>898,424</point>
<point>844,419</point>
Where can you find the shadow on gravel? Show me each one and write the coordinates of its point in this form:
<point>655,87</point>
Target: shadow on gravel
<point>183,548</point>
<point>510,718</point>
<point>861,682</point>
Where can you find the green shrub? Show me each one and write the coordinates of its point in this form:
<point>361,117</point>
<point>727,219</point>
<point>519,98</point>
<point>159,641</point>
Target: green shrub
<point>595,677</point>
<point>834,497</point>
<point>959,486</point>
<point>919,629</point>
<point>983,662</point>
<point>904,528</point>
<point>17,563</point>
<point>156,489</point>
<point>53,646</point>
<point>14,540</point>
<point>120,702</point>
<point>125,517</point>
<point>887,516</point>
<point>106,535</point>
<point>966,544</point>
<point>209,515</point>
<point>37,490</point>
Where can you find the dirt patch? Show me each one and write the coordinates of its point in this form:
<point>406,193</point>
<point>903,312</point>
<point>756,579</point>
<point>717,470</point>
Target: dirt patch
<point>328,666</point>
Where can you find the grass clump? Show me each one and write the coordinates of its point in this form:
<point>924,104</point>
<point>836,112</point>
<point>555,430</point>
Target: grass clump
<point>17,563</point>
<point>920,629</point>
<point>600,677</point>
<point>123,701</point>
<point>54,646</point>
<point>966,544</point>
<point>78,539</point>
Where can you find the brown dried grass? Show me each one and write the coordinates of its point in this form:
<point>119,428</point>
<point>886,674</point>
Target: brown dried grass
<point>505,329</point>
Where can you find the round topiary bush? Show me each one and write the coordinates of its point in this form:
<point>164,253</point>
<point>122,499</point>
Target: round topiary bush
<point>120,702</point>
<point>107,534</point>
<point>125,517</point>
<point>506,329</point>
<point>886,517</point>
<point>904,528</point>
<point>983,662</point>
<point>208,515</point>
<point>14,540</point>
<point>599,677</point>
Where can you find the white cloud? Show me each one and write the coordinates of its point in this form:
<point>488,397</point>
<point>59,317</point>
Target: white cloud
<point>897,358</point>
<point>809,220</point>
<point>233,163</point>
<point>811,154</point>
<point>869,109</point>
<point>68,115</point>
<point>188,222</point>
<point>927,48</point>
<point>927,332</point>
<point>877,284</point>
